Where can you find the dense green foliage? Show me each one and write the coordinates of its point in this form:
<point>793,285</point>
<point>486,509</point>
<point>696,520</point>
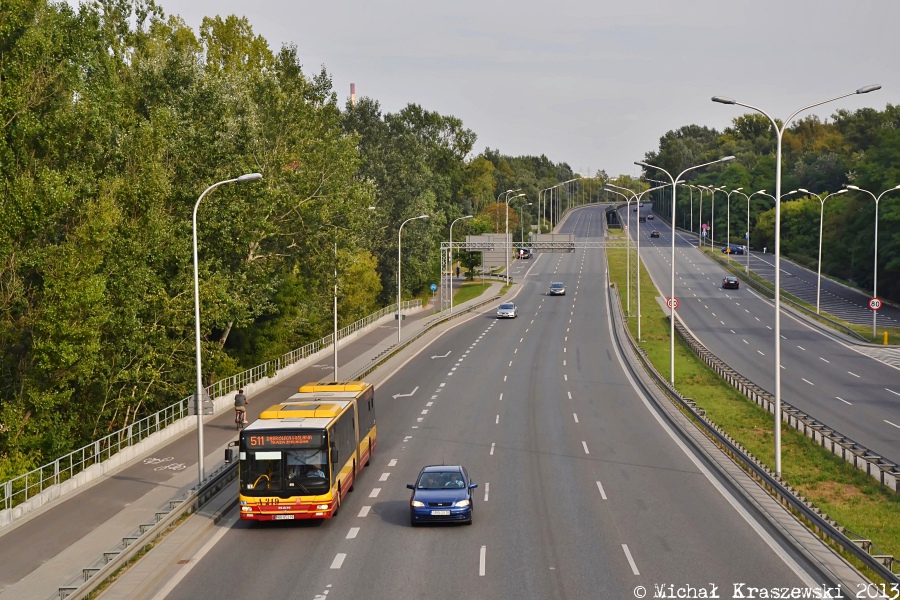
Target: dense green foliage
<point>116,118</point>
<point>860,148</point>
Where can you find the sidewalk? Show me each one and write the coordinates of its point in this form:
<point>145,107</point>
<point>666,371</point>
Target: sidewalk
<point>65,568</point>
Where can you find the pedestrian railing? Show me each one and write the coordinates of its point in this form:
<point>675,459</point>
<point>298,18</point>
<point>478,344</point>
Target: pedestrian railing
<point>23,487</point>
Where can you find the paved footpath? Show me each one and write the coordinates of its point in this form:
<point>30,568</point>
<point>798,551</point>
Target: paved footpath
<point>50,547</point>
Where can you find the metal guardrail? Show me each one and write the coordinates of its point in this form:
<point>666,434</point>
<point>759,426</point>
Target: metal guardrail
<point>100,571</point>
<point>23,487</point>
<point>862,549</point>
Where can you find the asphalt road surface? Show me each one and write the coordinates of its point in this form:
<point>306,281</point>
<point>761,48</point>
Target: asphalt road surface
<point>582,493</point>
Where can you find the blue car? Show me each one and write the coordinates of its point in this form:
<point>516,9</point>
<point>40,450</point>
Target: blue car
<point>441,493</point>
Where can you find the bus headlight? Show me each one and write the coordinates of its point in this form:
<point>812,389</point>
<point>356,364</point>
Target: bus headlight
<point>246,508</point>
<point>416,504</point>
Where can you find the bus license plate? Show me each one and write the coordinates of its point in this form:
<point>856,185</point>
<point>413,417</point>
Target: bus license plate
<point>279,517</point>
<point>439,513</point>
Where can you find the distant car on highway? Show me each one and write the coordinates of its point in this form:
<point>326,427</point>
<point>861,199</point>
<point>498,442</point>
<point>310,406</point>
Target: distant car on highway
<point>524,252</point>
<point>654,233</point>
<point>650,217</point>
<point>733,249</point>
<point>557,288</point>
<point>730,283</point>
<point>507,310</point>
<point>441,493</point>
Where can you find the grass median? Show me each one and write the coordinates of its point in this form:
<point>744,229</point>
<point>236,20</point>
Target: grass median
<point>859,503</point>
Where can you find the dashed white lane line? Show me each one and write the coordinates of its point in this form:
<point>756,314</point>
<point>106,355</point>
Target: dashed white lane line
<point>481,561</point>
<point>824,359</point>
<point>760,353</point>
<point>364,511</point>
<point>393,461</point>
<point>576,416</point>
<point>807,381</point>
<point>802,348</point>
<point>492,448</point>
<point>424,411</point>
<point>510,363</point>
<point>501,396</point>
<point>852,373</point>
<point>429,404</point>
<point>352,533</point>
<point>634,568</point>
<point>338,560</point>
<point>894,424</point>
<point>570,395</point>
<point>844,401</point>
<point>375,492</point>
<point>487,491</point>
<point>602,493</point>
<point>565,377</point>
<point>584,445</point>
<point>893,392</point>
<point>497,421</point>
<point>384,477</point>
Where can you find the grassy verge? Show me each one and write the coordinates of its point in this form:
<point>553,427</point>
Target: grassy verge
<point>846,494</point>
<point>470,290</point>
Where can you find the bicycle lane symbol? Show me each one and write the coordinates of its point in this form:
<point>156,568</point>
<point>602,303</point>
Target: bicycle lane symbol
<point>156,461</point>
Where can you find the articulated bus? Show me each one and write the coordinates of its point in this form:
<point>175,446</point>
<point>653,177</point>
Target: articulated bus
<point>303,455</point>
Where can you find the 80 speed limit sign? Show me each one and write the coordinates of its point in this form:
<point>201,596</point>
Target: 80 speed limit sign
<point>672,303</point>
<point>875,303</point>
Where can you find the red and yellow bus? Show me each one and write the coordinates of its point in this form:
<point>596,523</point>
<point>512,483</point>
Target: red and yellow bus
<point>302,456</point>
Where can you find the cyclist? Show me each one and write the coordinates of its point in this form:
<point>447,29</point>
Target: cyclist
<point>240,404</point>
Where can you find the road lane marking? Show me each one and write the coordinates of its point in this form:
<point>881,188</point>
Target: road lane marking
<point>352,533</point>
<point>844,401</point>
<point>424,411</point>
<point>634,568</point>
<point>808,381</point>
<point>602,493</point>
<point>487,491</point>
<point>338,560</point>
<point>852,373</point>
<point>481,561</point>
<point>586,451</point>
<point>393,462</point>
<point>498,420</point>
<point>384,477</point>
<point>492,448</point>
<point>501,396</point>
<point>570,395</point>
<point>375,492</point>
<point>894,424</point>
<point>802,348</point>
<point>893,392</point>
<point>824,359</point>
<point>576,416</point>
<point>364,511</point>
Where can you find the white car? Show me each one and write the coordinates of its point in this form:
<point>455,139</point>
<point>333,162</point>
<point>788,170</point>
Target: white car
<point>507,310</point>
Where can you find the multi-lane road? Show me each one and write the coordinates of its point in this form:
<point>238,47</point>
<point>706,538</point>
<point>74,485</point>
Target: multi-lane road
<point>583,493</point>
<point>828,378</point>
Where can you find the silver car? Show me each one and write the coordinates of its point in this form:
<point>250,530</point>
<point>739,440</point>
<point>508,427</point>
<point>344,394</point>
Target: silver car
<point>507,310</point>
<point>557,288</point>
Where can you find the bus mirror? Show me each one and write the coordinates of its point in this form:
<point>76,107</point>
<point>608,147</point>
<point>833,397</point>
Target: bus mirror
<point>334,456</point>
<point>229,455</point>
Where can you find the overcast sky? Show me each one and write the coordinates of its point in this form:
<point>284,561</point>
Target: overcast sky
<point>593,83</point>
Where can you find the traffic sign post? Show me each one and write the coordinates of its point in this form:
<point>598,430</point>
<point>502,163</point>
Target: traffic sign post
<point>672,303</point>
<point>875,303</point>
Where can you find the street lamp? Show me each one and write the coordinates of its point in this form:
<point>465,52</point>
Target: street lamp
<point>627,245</point>
<point>875,270</point>
<point>712,199</point>
<point>821,223</point>
<point>399,313</point>
<point>637,198</point>
<point>728,225</point>
<point>507,244</point>
<point>779,133</point>
<point>451,257</point>
<point>672,297</point>
<point>522,221</point>
<point>199,389</point>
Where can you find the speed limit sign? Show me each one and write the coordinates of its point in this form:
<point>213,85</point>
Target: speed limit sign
<point>672,303</point>
<point>875,303</point>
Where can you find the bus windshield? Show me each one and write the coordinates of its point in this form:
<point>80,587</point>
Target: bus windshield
<point>286,471</point>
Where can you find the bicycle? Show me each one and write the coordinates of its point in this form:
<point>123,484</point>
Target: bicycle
<point>239,421</point>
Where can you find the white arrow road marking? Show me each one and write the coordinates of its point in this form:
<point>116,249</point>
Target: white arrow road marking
<point>395,396</point>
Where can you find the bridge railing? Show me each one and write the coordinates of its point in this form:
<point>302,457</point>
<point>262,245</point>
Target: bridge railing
<point>23,487</point>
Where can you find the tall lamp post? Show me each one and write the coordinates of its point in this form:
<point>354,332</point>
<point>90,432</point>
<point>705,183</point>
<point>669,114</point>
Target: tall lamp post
<point>451,257</point>
<point>728,225</point>
<point>507,244</point>
<point>672,300</point>
<point>522,221</point>
<point>199,389</point>
<point>821,224</point>
<point>875,270</point>
<point>779,133</point>
<point>637,198</point>
<point>399,312</point>
<point>628,200</point>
